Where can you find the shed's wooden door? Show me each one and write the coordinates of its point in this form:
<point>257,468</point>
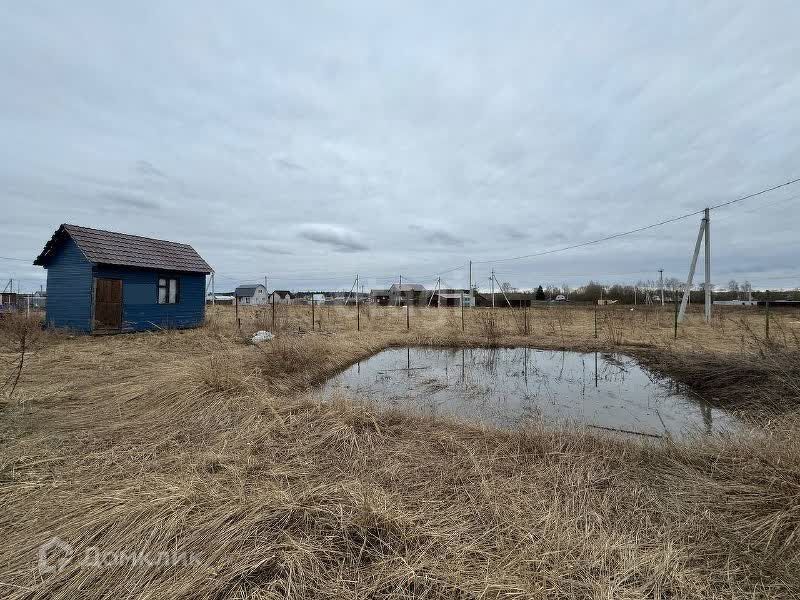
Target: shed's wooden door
<point>108,303</point>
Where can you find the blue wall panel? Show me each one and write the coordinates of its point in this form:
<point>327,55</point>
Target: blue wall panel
<point>140,307</point>
<point>69,289</point>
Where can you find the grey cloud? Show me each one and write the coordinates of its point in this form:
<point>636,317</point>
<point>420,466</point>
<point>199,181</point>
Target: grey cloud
<point>335,236</point>
<point>147,169</point>
<point>437,235</point>
<point>514,233</point>
<point>274,249</point>
<point>126,199</point>
<point>319,137</point>
<point>287,164</point>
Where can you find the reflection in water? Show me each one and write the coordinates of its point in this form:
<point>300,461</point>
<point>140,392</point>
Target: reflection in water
<point>508,386</point>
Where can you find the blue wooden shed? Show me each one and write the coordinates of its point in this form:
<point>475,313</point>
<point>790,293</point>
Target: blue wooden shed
<point>104,282</point>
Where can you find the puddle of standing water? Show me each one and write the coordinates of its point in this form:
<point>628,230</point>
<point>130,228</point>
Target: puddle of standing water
<point>509,386</point>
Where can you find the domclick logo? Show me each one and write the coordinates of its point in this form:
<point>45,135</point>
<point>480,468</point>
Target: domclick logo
<point>54,555</point>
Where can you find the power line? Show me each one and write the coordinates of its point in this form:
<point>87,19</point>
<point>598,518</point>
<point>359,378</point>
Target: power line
<point>639,229</point>
<point>759,207</point>
<point>753,195</point>
<point>25,260</point>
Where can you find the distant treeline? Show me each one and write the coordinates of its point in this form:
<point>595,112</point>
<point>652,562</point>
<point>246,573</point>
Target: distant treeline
<point>639,293</point>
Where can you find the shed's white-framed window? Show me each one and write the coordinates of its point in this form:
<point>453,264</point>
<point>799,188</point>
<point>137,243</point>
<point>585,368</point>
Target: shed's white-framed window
<point>168,290</point>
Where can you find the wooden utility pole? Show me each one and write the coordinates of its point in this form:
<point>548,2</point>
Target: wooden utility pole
<point>492,280</point>
<point>358,312</point>
<point>661,284</point>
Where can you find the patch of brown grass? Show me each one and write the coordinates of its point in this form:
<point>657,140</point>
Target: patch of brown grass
<point>200,442</point>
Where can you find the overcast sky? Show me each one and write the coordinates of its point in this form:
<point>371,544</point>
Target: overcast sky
<point>312,141</point>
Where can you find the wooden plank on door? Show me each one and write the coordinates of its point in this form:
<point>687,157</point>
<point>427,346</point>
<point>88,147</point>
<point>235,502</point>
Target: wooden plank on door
<point>108,304</point>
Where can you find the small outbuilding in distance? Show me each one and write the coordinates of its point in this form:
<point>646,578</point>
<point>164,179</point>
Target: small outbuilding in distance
<point>105,282</point>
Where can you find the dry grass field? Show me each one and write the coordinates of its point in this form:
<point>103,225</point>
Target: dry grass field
<point>195,464</point>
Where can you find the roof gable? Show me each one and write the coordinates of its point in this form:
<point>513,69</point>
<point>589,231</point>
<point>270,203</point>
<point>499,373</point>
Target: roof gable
<point>247,290</point>
<point>407,287</point>
<point>122,249</point>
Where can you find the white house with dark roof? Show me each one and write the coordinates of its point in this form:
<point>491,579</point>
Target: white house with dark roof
<point>254,293</point>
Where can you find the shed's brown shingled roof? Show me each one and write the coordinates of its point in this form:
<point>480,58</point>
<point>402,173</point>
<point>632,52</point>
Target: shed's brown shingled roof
<point>111,248</point>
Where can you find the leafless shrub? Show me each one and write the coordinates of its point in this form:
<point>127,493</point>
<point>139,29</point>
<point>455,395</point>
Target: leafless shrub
<point>550,324</point>
<point>614,327</point>
<point>487,320</point>
<point>20,334</point>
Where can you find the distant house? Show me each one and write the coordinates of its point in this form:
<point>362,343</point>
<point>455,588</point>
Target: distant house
<point>220,298</point>
<point>104,281</point>
<point>516,299</point>
<point>411,294</point>
<point>281,296</point>
<point>39,300</point>
<point>251,294</point>
<point>380,297</point>
<point>452,297</point>
<point>8,298</point>
<point>307,298</point>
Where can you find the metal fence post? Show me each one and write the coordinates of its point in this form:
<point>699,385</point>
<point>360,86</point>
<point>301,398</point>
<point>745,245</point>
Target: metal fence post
<point>675,335</point>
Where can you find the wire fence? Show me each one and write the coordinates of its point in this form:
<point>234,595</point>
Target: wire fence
<point>564,323</point>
